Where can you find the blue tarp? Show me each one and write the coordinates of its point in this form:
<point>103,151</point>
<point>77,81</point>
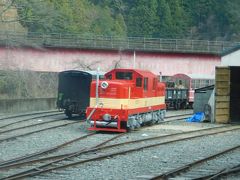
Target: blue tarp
<point>197,117</point>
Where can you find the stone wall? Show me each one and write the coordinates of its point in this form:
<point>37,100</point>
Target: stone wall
<point>26,105</point>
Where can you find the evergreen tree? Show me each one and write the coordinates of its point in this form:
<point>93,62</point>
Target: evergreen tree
<point>142,18</point>
<point>198,19</point>
<point>164,23</point>
<point>179,19</point>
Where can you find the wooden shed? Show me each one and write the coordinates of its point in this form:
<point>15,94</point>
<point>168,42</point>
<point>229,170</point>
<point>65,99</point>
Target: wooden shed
<point>227,94</point>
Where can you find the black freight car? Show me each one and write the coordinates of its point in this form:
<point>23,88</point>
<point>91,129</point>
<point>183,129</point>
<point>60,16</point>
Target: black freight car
<point>176,97</point>
<point>74,91</point>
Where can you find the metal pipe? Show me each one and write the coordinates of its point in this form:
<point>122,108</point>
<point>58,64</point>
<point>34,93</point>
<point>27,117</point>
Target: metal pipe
<point>134,59</point>
<point>97,84</point>
<point>104,123</point>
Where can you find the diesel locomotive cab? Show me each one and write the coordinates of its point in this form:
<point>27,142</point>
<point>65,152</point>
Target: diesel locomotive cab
<point>112,96</point>
<point>127,98</point>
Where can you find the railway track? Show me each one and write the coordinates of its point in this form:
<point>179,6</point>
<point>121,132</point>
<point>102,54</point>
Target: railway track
<point>103,152</point>
<point>17,161</point>
<point>174,118</point>
<point>222,173</point>
<point>17,176</point>
<point>9,137</point>
<point>29,125</point>
<point>15,136</point>
<point>187,170</point>
<point>13,162</point>
<point>46,114</point>
<point>25,114</point>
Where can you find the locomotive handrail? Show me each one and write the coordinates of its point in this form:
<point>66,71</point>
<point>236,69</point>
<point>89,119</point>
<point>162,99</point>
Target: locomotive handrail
<point>93,111</point>
<point>90,41</point>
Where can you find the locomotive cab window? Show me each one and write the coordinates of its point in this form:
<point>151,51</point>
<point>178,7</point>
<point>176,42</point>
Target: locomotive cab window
<point>139,82</point>
<point>124,75</point>
<point>95,77</point>
<point>145,84</point>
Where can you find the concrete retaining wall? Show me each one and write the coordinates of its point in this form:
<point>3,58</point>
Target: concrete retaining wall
<point>56,60</point>
<point>25,105</point>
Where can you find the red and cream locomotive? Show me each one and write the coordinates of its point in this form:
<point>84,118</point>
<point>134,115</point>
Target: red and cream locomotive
<point>126,99</point>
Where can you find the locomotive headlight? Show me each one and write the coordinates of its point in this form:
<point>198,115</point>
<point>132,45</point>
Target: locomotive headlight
<point>104,85</point>
<point>106,117</point>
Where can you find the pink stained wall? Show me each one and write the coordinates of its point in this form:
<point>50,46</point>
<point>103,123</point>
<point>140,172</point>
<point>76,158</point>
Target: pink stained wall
<point>57,60</point>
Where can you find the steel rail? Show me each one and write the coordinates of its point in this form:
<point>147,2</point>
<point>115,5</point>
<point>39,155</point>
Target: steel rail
<point>28,119</point>
<point>27,114</point>
<point>60,114</point>
<point>1,132</point>
<point>223,172</point>
<point>66,158</point>
<point>187,167</point>
<point>49,150</point>
<point>38,170</point>
<point>166,120</point>
<point>32,125</point>
<point>177,115</point>
<point>17,162</point>
<point>28,133</point>
<point>20,161</point>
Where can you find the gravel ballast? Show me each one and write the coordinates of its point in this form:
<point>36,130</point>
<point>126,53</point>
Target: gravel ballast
<point>129,166</point>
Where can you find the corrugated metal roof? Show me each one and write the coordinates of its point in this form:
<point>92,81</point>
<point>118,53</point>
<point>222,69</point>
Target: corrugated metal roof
<point>229,51</point>
<point>80,72</point>
<point>211,87</point>
<point>201,76</point>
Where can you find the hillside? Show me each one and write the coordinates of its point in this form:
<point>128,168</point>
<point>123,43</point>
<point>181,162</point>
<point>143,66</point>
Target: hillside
<point>192,19</point>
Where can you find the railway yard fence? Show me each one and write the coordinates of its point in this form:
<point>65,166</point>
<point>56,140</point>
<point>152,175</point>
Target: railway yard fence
<point>58,40</point>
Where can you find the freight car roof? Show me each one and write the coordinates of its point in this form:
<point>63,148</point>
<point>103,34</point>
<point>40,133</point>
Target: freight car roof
<point>194,76</point>
<point>80,72</point>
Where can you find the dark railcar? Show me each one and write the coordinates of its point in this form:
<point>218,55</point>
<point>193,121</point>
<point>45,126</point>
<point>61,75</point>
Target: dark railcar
<point>176,98</point>
<point>180,89</point>
<point>74,91</point>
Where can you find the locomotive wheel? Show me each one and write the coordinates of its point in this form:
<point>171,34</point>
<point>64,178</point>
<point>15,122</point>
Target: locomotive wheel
<point>68,114</point>
<point>184,105</point>
<point>177,106</point>
<point>190,106</point>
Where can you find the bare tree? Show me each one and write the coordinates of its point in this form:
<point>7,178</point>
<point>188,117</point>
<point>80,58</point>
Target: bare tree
<point>81,65</point>
<point>117,63</point>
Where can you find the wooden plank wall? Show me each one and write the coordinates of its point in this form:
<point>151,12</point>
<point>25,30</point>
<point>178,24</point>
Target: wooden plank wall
<point>222,95</point>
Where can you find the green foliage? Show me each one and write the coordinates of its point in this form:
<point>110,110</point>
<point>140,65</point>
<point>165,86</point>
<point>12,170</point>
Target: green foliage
<point>142,18</point>
<point>76,16</point>
<point>199,19</point>
<point>165,20</point>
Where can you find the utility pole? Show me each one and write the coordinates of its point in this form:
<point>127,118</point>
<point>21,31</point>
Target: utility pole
<point>134,59</point>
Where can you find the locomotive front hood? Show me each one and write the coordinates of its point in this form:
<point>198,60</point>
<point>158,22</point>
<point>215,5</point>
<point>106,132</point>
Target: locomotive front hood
<point>112,89</point>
